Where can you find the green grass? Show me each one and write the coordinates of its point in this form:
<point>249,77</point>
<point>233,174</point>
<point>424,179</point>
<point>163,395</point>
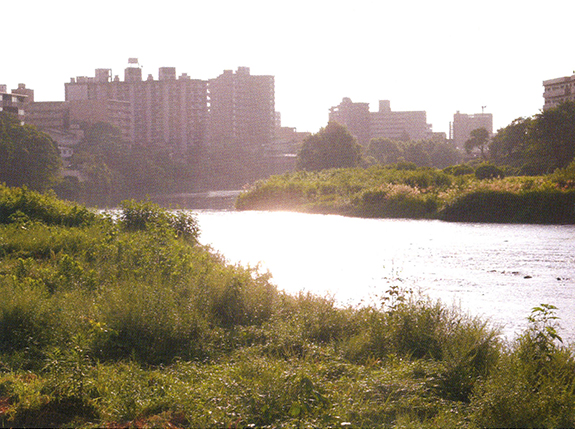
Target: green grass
<point>132,323</point>
<point>420,193</point>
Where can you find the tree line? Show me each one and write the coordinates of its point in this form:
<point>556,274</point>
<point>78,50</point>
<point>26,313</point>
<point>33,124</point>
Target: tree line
<point>528,146</point>
<point>112,169</point>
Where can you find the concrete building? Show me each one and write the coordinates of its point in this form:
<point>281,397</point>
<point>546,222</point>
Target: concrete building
<point>399,125</point>
<point>170,111</point>
<point>557,91</point>
<point>242,110</point>
<point>48,114</point>
<point>114,112</point>
<point>355,116</point>
<point>463,124</point>
<point>13,103</point>
<point>385,123</point>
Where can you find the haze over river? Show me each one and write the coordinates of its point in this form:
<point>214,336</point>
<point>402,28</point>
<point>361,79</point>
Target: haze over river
<point>499,272</point>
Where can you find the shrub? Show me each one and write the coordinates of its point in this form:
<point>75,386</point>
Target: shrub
<point>145,215</point>
<point>532,386</point>
<point>23,204</point>
<point>488,171</point>
<point>459,170</point>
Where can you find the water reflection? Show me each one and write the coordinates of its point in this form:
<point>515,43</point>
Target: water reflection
<point>498,271</point>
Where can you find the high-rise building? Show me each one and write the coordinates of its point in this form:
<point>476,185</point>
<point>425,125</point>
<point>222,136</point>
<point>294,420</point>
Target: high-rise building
<point>242,110</point>
<point>399,125</point>
<point>557,91</point>
<point>385,123</point>
<point>463,124</point>
<point>355,116</point>
<point>170,111</point>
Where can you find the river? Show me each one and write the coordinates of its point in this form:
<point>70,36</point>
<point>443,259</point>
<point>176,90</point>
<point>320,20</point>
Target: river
<point>497,272</point>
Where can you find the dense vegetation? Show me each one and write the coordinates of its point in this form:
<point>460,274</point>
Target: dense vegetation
<point>125,320</point>
<point>28,157</point>
<point>111,169</point>
<point>404,190</point>
<point>426,153</point>
<point>401,178</point>
<point>538,144</point>
<point>331,147</point>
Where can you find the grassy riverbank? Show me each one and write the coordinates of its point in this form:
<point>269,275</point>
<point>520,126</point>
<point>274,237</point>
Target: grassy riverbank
<point>408,192</point>
<point>132,323</point>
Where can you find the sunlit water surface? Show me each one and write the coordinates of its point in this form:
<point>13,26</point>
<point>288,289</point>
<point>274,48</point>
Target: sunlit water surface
<point>495,271</point>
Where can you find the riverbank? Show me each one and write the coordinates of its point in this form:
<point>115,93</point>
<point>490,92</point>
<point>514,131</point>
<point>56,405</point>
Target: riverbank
<point>418,193</point>
<point>132,323</point>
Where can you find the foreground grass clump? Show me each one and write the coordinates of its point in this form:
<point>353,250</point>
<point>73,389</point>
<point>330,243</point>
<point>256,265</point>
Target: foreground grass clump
<point>130,322</point>
<point>396,191</point>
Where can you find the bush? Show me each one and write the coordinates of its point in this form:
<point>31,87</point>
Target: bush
<point>532,386</point>
<point>488,171</point>
<point>21,204</point>
<point>459,170</point>
<point>145,215</point>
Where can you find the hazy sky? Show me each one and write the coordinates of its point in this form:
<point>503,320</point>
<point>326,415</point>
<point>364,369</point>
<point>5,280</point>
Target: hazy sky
<point>439,56</point>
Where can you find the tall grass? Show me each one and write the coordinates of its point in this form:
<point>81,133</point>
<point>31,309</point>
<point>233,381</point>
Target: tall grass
<point>130,323</point>
<point>386,192</point>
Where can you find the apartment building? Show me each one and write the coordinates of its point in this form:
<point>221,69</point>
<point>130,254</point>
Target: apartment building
<point>12,102</point>
<point>385,123</point>
<point>557,91</point>
<point>355,116</point>
<point>242,110</point>
<point>399,125</point>
<point>463,124</point>
<point>170,111</point>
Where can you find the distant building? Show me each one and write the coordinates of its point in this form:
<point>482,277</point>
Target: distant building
<point>400,125</point>
<point>48,114</point>
<point>557,91</point>
<point>170,111</point>
<point>50,117</point>
<point>385,123</point>
<point>12,102</point>
<point>242,110</point>
<point>463,124</point>
<point>115,112</point>
<point>355,116</point>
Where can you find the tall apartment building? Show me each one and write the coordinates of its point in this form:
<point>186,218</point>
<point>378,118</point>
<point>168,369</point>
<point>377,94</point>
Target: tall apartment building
<point>463,124</point>
<point>557,91</point>
<point>399,125</point>
<point>355,116</point>
<point>242,110</point>
<point>385,123</point>
<point>170,111</point>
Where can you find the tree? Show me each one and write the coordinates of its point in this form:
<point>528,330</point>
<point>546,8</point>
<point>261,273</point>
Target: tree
<point>384,150</point>
<point>510,144</point>
<point>443,155</point>
<point>553,134</point>
<point>331,147</point>
<point>28,157</point>
<point>478,138</point>
<point>415,152</point>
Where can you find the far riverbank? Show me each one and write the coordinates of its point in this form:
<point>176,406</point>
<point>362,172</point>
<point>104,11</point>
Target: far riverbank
<point>418,193</point>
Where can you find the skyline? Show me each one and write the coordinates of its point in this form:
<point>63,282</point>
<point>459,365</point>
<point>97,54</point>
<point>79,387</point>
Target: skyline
<point>441,57</point>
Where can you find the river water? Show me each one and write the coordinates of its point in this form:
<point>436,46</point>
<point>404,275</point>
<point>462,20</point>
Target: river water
<point>498,272</point>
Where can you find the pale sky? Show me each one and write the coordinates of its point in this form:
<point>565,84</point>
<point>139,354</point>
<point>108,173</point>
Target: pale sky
<point>440,56</point>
